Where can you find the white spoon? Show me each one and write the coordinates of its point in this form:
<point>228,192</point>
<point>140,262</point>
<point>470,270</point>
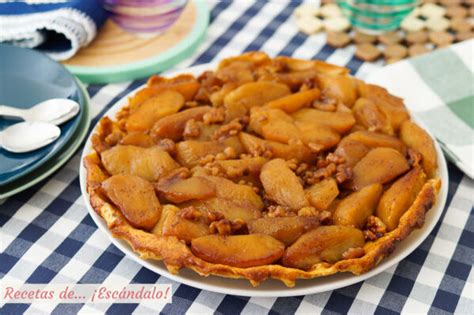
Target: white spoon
<point>28,136</point>
<point>54,111</point>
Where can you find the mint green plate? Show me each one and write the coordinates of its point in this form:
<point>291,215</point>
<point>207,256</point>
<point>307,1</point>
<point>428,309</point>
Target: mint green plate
<point>55,162</point>
<point>149,66</point>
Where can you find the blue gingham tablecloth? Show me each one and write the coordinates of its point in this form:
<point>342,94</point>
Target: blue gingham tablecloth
<point>48,236</point>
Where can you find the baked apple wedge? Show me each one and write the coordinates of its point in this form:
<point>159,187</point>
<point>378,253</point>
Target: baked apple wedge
<point>380,165</point>
<point>177,222</point>
<point>358,206</point>
<point>241,251</point>
<point>339,121</point>
<point>419,140</point>
<point>159,106</point>
<point>292,103</point>
<point>351,151</point>
<point>150,163</point>
<point>399,197</point>
<point>376,139</point>
<point>282,185</point>
<point>323,193</point>
<point>371,117</point>
<point>256,93</point>
<point>136,199</point>
<point>190,152</point>
<point>323,244</point>
<point>177,189</point>
<point>284,229</point>
<point>172,126</point>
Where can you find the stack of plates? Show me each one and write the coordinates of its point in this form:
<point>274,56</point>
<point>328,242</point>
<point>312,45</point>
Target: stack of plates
<point>27,78</point>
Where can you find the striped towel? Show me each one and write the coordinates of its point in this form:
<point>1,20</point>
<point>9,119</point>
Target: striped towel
<point>438,88</point>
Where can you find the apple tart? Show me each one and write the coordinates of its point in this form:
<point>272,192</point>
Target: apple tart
<point>263,168</point>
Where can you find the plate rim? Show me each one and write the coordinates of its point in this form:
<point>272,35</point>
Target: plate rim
<point>433,217</point>
<point>82,100</point>
<point>63,155</point>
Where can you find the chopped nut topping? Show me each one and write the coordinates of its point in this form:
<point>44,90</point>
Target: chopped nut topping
<point>279,211</point>
<point>375,228</point>
<point>226,227</point>
<point>190,213</point>
<point>214,116</point>
<point>167,145</point>
<point>343,173</point>
<point>214,216</point>
<point>325,217</point>
<point>308,212</point>
<point>334,158</point>
<point>191,129</point>
<point>230,129</point>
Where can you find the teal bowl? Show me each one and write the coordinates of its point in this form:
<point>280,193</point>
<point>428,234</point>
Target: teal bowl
<point>377,16</point>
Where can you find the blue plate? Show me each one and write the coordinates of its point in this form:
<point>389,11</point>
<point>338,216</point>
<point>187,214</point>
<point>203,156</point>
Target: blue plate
<point>28,77</point>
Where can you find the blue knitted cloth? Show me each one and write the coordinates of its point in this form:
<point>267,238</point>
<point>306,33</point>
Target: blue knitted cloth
<point>57,27</point>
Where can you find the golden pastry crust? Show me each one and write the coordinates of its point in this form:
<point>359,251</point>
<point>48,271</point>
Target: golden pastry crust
<point>176,254</point>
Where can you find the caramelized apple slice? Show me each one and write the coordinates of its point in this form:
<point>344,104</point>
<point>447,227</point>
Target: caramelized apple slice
<point>235,110</point>
<point>352,151</point>
<point>273,124</point>
<point>161,105</point>
<point>206,132</point>
<point>230,209</point>
<point>241,251</point>
<point>323,193</point>
<point>256,93</point>
<point>233,200</point>
<point>292,79</point>
<point>285,229</point>
<point>321,135</point>
<point>391,105</point>
<point>174,223</point>
<point>136,199</point>
<point>358,206</point>
<point>241,195</point>
<point>138,139</point>
<point>399,197</point>
<point>339,121</point>
<point>148,163</point>
<point>257,146</point>
<point>177,189</point>
<point>340,87</point>
<point>371,117</point>
<point>293,102</point>
<point>325,243</point>
<point>185,84</point>
<point>257,58</point>
<point>418,139</point>
<point>172,126</point>
<point>190,152</point>
<point>375,139</point>
<point>380,165</point>
<point>282,185</point>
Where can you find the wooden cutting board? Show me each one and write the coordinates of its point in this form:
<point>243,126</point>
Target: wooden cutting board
<point>116,55</point>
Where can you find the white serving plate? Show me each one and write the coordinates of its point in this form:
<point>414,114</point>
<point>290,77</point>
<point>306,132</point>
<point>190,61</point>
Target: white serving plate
<point>270,287</point>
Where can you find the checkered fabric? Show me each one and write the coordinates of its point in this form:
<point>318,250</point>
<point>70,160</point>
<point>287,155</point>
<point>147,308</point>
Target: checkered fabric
<point>47,234</point>
<point>442,100</point>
